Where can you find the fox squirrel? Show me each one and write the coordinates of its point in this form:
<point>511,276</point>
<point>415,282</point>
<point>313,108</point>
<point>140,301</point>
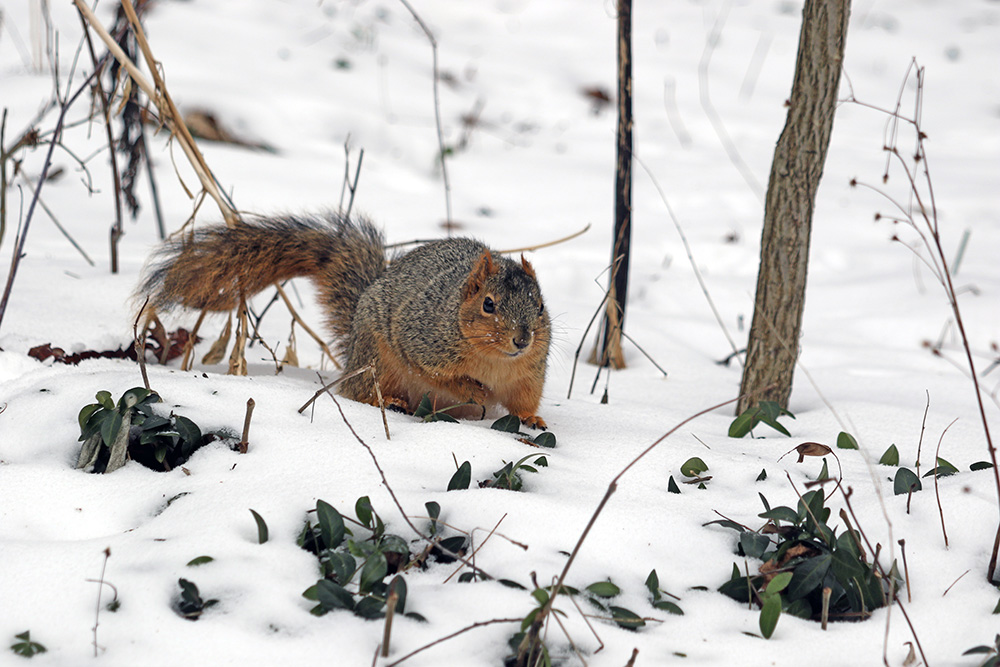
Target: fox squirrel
<point>449,318</point>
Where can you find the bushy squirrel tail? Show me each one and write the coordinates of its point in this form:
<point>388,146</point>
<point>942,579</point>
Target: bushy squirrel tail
<point>213,267</point>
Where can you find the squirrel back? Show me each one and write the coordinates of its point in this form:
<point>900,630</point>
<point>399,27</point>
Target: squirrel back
<point>450,318</point>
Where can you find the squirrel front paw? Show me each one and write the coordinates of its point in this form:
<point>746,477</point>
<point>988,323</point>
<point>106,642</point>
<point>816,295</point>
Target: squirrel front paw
<point>533,421</point>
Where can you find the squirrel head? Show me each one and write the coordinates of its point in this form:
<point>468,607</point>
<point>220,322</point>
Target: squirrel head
<point>502,312</point>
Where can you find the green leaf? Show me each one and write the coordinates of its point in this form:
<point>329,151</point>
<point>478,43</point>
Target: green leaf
<point>424,408</point>
<point>943,469</point>
<point>891,457</point>
<point>905,481</point>
<point>996,609</point>
<point>373,572</point>
<point>332,596</point>
<point>462,477</point>
<point>340,566</point>
<point>762,476</point>
<point>541,595</point>
<point>808,576</point>
<point>754,544</point>
<point>507,424</point>
<point>672,486</point>
<point>743,424</point>
<point>261,527</point>
<point>972,651</point>
<point>187,430</point>
<point>433,511</point>
<point>363,510</point>
<point>331,524</point>
<point>545,439</point>
<point>398,586</point>
<point>26,647</point>
<point>980,465</point>
<point>370,607</point>
<point>104,398</point>
<point>626,619</point>
<point>85,414</point>
<point>110,427</point>
<point>778,583</point>
<point>653,584</point>
<point>200,560</point>
<point>769,615</point>
<point>786,514</point>
<point>693,467</point>
<point>668,606</point>
<point>604,589</point>
<point>846,560</point>
<point>846,441</point>
<point>133,396</point>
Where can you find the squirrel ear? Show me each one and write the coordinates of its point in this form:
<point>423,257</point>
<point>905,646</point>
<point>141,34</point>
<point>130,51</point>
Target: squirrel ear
<point>528,268</point>
<point>481,270</point>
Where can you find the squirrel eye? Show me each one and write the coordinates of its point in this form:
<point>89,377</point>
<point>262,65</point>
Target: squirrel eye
<point>541,309</point>
<point>488,305</point>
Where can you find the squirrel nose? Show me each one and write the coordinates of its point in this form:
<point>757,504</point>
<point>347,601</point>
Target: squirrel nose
<point>522,339</point>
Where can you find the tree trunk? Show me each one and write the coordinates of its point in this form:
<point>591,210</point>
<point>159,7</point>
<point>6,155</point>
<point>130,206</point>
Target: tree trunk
<point>791,196</point>
<point>608,349</point>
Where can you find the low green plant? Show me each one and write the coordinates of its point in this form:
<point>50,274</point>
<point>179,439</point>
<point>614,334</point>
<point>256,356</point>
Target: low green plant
<point>653,586</point>
<point>991,653</point>
<point>807,558</point>
<point>509,476</point>
<point>426,411</point>
<point>26,647</point>
<point>693,469</point>
<point>766,412</point>
<point>597,595</point>
<point>189,603</point>
<point>114,432</point>
<point>353,567</point>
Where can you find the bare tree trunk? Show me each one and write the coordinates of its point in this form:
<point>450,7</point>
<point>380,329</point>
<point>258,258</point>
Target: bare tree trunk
<point>608,349</point>
<point>791,196</point>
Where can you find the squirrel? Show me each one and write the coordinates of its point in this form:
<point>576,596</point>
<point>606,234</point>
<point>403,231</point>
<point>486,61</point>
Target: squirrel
<point>451,318</point>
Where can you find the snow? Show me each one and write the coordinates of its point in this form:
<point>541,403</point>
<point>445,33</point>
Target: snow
<point>540,162</point>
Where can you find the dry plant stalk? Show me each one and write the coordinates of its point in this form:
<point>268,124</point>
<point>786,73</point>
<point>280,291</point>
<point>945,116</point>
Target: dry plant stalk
<point>158,94</point>
<point>920,214</point>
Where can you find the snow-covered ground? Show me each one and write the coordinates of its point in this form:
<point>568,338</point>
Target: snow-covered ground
<point>537,164</point>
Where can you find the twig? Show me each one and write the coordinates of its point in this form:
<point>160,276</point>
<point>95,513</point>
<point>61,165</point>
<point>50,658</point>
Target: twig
<point>244,444</point>
<point>477,549</point>
<point>306,327</point>
<point>118,229</point>
<point>392,494</point>
<point>23,236</point>
<point>532,635</point>
<point>100,589</point>
<point>690,256</point>
<point>906,570</point>
<point>352,187</point>
<point>926,213</point>
<point>955,582</point>
<point>157,92</point>
<point>140,345</point>
<point>937,494</point>
<point>390,612</point>
<point>55,221</point>
<point>885,577</point>
<point>539,246</point>
<point>442,154</point>
<point>923,425</point>
<point>478,624</point>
